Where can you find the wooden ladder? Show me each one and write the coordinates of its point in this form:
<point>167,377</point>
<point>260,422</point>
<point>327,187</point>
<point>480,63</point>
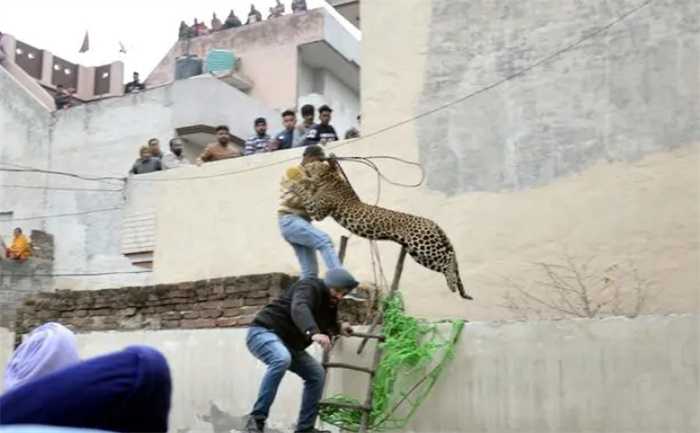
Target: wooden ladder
<point>366,408</point>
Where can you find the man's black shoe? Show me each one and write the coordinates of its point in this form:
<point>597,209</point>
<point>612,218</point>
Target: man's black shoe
<point>255,424</point>
<point>312,430</point>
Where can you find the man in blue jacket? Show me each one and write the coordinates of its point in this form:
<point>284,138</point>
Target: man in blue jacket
<point>278,336</point>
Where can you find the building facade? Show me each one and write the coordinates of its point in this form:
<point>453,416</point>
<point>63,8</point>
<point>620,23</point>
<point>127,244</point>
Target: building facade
<point>285,62</point>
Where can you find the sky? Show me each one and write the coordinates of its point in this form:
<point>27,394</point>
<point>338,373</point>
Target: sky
<point>148,29</point>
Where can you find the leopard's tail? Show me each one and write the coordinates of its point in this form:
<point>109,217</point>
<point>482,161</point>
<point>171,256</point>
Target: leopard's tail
<point>454,281</point>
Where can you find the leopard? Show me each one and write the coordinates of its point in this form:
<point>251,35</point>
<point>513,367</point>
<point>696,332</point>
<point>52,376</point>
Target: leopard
<point>324,191</point>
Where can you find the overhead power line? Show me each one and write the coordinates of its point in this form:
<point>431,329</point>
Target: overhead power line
<point>51,188</point>
<point>80,274</point>
<point>20,169</point>
<point>61,215</point>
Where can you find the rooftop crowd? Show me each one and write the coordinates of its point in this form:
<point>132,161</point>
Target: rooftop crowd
<point>293,134</point>
<point>199,28</point>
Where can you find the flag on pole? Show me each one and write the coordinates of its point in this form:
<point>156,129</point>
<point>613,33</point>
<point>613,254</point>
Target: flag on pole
<point>86,43</point>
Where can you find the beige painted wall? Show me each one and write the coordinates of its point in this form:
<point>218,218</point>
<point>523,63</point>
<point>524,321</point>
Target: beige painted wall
<point>645,212</point>
<point>268,53</point>
<point>641,213</point>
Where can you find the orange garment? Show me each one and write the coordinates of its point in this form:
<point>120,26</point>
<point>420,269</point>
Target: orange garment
<point>20,248</point>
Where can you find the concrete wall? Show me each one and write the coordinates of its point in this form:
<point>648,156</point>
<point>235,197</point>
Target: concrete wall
<point>498,236</point>
<point>269,57</point>
<point>319,87</point>
<point>99,139</point>
<point>617,97</point>
<point>85,87</point>
<point>611,375</point>
<point>268,53</point>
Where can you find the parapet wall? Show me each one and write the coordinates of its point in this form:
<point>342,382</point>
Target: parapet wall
<point>574,376</point>
<point>222,302</point>
<point>216,303</point>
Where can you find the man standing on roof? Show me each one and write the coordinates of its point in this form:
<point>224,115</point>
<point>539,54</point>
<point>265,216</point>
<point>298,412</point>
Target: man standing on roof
<point>323,132</point>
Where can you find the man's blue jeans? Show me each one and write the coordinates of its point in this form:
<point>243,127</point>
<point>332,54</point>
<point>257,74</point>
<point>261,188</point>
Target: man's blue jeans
<point>306,239</point>
<point>269,348</point>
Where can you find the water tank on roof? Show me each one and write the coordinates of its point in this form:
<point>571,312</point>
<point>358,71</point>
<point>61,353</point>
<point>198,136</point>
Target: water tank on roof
<point>187,66</point>
<point>220,60</point>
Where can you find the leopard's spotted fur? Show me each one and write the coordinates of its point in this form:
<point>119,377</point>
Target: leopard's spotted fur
<point>324,192</point>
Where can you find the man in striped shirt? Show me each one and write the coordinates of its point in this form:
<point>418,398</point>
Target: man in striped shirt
<point>260,142</point>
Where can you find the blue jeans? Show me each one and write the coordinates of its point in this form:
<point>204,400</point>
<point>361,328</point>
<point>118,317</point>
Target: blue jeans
<point>306,239</point>
<point>269,348</point>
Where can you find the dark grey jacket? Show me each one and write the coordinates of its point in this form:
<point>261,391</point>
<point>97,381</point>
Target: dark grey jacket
<point>302,311</point>
<point>147,166</point>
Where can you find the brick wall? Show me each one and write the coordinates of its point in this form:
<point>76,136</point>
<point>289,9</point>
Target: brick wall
<point>216,303</point>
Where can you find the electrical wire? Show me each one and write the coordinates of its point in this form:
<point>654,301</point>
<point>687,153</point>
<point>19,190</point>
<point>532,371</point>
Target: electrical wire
<point>78,274</point>
<point>50,188</point>
<point>87,212</point>
<point>60,173</point>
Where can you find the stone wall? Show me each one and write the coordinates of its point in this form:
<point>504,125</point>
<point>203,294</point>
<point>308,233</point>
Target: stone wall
<point>215,303</point>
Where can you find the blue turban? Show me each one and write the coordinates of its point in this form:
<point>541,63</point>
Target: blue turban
<point>45,429</point>
<point>127,391</point>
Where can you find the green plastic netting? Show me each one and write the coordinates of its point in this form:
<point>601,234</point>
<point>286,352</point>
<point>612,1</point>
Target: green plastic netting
<point>414,354</point>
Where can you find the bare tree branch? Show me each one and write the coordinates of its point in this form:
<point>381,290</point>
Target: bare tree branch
<point>575,288</point>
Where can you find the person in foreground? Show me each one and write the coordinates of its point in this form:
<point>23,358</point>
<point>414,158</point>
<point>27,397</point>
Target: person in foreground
<point>49,348</point>
<point>127,391</point>
<point>278,336</point>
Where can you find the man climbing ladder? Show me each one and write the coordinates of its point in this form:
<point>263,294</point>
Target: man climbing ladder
<point>306,313</point>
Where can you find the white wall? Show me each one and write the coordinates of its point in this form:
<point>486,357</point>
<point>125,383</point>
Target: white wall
<point>575,376</point>
<point>344,101</point>
<point>7,342</point>
<point>99,139</point>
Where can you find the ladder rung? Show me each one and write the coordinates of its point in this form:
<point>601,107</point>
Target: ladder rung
<point>345,405</point>
<point>365,335</point>
<point>348,366</point>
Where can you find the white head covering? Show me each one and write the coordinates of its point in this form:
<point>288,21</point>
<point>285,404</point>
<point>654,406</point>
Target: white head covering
<point>48,348</point>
